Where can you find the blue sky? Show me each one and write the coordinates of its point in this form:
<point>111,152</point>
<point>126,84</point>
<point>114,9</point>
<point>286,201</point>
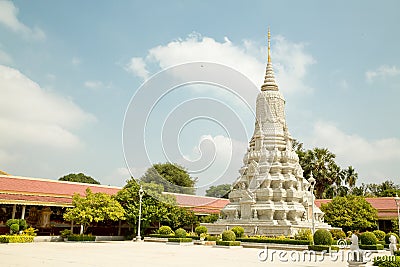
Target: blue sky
<point>68,70</point>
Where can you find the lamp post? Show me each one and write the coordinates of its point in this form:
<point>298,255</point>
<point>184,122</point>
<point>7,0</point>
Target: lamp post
<point>141,193</point>
<point>397,199</point>
<point>312,183</point>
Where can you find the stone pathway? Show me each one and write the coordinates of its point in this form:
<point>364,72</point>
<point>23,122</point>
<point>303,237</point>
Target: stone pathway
<point>127,253</point>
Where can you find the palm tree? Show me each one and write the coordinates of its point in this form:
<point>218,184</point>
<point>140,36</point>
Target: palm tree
<point>350,177</point>
<point>322,164</point>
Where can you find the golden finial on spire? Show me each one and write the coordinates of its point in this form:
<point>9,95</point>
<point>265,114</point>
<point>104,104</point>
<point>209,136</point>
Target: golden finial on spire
<point>269,46</point>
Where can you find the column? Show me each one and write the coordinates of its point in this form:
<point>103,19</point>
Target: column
<point>119,227</point>
<point>13,211</point>
<point>23,212</point>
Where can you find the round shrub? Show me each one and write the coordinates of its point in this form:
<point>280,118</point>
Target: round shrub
<point>380,235</point>
<point>368,238</point>
<point>165,230</point>
<point>14,228</point>
<point>388,236</point>
<point>228,235</point>
<point>323,237</point>
<point>200,230</point>
<point>180,233</point>
<point>337,234</point>
<point>238,230</point>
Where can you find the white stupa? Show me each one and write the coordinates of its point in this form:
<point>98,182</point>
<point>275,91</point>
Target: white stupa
<point>271,196</point>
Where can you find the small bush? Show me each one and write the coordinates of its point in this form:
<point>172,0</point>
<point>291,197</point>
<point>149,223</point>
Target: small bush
<point>212,238</point>
<point>165,230</point>
<point>322,237</point>
<point>368,238</point>
<point>380,235</point>
<point>319,247</point>
<point>275,241</point>
<point>31,231</point>
<point>388,236</point>
<point>228,243</point>
<point>238,230</point>
<point>81,238</point>
<point>65,233</point>
<point>228,235</point>
<point>179,240</point>
<point>371,247</point>
<point>180,233</point>
<point>201,230</point>
<point>337,234</point>
<point>14,228</point>
<point>16,239</point>
<point>383,260</point>
<point>304,234</point>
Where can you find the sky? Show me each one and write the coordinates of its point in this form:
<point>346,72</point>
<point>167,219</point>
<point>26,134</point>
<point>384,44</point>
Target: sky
<point>71,70</point>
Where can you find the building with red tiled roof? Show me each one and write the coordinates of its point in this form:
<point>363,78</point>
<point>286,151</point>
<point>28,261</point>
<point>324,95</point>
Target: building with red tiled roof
<point>386,207</point>
<point>42,202</point>
<point>200,205</point>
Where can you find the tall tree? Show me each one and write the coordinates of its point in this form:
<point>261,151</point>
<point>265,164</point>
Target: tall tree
<point>350,213</point>
<point>320,161</point>
<point>79,178</point>
<point>157,208</point>
<point>94,207</point>
<point>350,177</point>
<point>221,191</point>
<point>172,177</point>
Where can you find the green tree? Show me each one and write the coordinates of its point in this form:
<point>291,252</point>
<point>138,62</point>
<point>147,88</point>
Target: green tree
<point>78,178</point>
<point>221,190</point>
<point>320,161</point>
<point>157,208</point>
<point>350,213</point>
<point>172,177</point>
<point>94,207</point>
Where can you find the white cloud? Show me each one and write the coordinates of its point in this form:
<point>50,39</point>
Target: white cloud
<point>291,60</point>
<point>32,118</point>
<point>93,84</point>
<point>215,160</point>
<point>373,159</point>
<point>8,17</point>
<point>137,66</point>
<point>383,71</point>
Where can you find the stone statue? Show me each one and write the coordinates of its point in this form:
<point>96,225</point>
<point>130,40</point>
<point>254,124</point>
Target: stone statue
<point>255,215</point>
<point>354,243</point>
<point>236,215</point>
<point>392,245</point>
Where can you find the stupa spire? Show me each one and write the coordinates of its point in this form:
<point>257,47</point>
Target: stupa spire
<point>269,80</point>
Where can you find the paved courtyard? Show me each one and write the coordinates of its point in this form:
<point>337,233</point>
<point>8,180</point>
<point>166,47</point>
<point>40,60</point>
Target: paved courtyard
<point>127,253</point>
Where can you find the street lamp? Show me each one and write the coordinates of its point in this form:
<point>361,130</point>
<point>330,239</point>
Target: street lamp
<point>397,199</point>
<point>312,183</point>
<point>141,193</point>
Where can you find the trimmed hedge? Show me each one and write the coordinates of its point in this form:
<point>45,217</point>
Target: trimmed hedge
<point>387,261</point>
<point>227,243</point>
<point>372,247</point>
<point>179,240</point>
<point>397,253</point>
<point>172,236</point>
<point>368,238</point>
<point>276,241</point>
<point>16,239</point>
<point>238,230</point>
<point>165,230</point>
<point>380,235</point>
<point>212,238</point>
<point>322,237</point>
<point>181,233</point>
<point>200,230</point>
<point>388,236</point>
<point>323,247</point>
<point>81,238</point>
<point>228,235</point>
